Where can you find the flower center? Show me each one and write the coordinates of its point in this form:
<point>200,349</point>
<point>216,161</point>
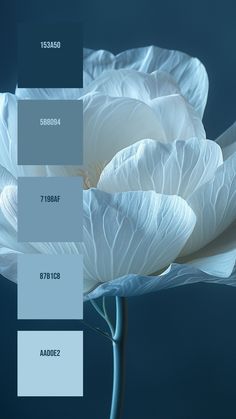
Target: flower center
<point>91,174</point>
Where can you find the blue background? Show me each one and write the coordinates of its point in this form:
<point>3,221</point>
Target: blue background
<point>181,350</point>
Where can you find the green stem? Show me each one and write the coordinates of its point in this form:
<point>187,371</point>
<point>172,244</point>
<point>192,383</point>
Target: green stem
<point>118,344</point>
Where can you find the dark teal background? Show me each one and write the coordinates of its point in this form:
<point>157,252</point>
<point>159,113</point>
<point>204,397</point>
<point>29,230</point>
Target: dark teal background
<point>181,351</point>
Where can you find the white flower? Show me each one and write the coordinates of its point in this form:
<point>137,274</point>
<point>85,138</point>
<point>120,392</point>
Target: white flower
<point>160,199</point>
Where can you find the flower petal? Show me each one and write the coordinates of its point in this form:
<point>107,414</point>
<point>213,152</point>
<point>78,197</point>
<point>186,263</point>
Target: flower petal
<point>131,232</point>
<point>111,124</point>
<point>179,120</point>
<point>227,141</point>
<point>8,225</point>
<point>116,83</point>
<point>218,257</point>
<point>48,93</point>
<point>214,204</point>
<point>8,204</point>
<point>220,264</point>
<point>8,263</point>
<point>133,84</point>
<point>189,73</point>
<point>177,168</point>
<point>8,132</point>
<point>6,178</point>
<point>175,276</point>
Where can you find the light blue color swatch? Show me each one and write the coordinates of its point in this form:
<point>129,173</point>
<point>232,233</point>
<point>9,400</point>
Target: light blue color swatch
<point>50,209</point>
<point>50,286</point>
<point>49,363</point>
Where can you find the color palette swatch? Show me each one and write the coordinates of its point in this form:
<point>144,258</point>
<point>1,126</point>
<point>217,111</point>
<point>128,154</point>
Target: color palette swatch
<point>50,210</point>
<point>50,55</point>
<point>50,363</point>
<point>43,127</point>
<point>50,286</point>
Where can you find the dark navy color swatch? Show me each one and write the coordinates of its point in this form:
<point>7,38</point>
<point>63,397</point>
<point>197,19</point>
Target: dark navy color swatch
<point>50,55</point>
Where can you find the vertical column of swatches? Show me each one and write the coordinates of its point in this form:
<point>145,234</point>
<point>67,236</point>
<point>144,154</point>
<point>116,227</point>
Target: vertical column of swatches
<point>50,208</point>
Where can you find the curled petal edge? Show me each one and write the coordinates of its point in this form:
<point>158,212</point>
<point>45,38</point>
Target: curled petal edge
<point>175,276</point>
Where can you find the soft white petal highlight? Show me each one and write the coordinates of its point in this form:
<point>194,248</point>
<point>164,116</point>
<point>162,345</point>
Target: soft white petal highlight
<point>227,141</point>
<point>177,168</point>
<point>189,73</point>
<point>111,124</point>
<point>8,204</point>
<point>132,232</point>
<point>178,119</point>
<point>133,84</point>
<point>221,264</point>
<point>6,178</point>
<point>214,204</point>
<point>218,257</point>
